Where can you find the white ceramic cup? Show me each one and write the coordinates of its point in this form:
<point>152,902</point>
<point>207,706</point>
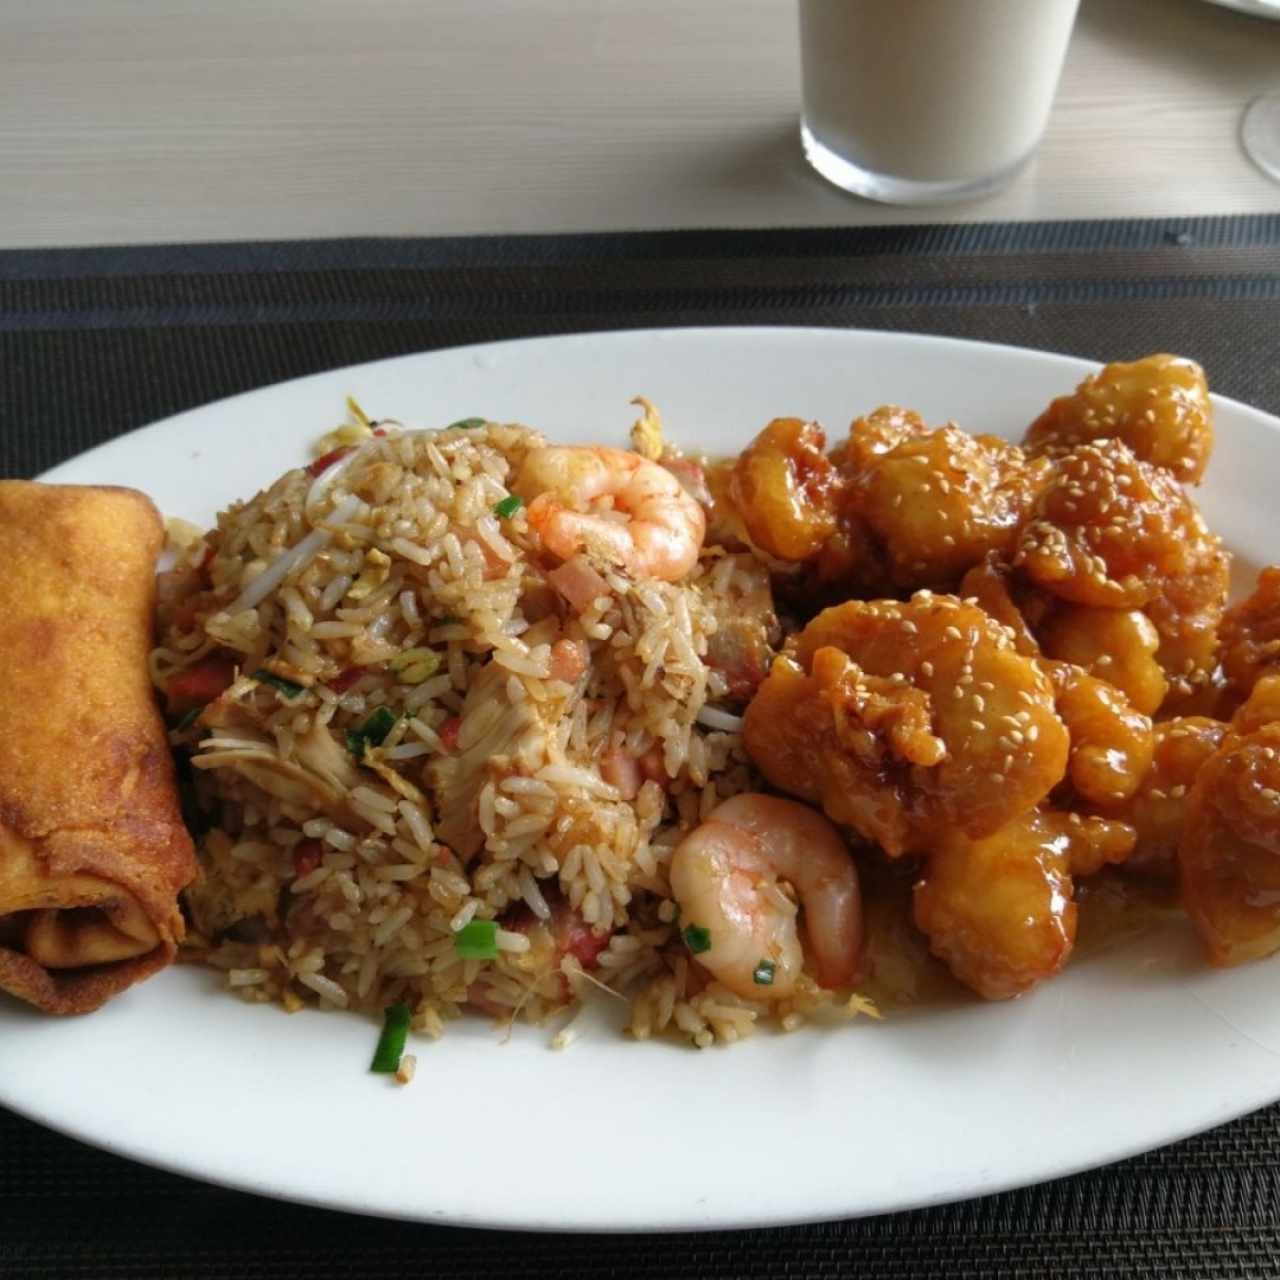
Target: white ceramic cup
<point>925,101</point>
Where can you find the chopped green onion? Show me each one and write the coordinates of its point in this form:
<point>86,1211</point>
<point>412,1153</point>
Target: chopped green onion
<point>189,718</point>
<point>395,1031</point>
<point>762,975</point>
<point>372,732</point>
<point>697,939</point>
<point>287,687</point>
<point>505,509</point>
<point>467,423</point>
<point>477,940</point>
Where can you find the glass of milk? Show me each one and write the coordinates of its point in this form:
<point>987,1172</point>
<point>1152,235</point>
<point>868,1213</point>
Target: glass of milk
<point>925,101</point>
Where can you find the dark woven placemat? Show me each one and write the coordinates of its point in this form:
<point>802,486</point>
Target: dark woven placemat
<point>95,342</point>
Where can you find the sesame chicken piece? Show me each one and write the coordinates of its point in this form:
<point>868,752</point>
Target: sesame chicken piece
<point>1250,634</point>
<point>1157,810</point>
<point>877,433</point>
<point>1115,645</point>
<point>1111,743</point>
<point>999,910</point>
<point>901,717</point>
<point>991,585</point>
<point>1158,406</point>
<point>939,502</point>
<point>1110,531</point>
<point>785,488</point>
<point>1229,853</point>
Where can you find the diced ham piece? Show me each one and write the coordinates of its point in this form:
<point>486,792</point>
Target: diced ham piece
<point>624,771</point>
<point>568,661</point>
<point>621,770</point>
<point>578,583</point>
<point>576,938</point>
<point>569,933</point>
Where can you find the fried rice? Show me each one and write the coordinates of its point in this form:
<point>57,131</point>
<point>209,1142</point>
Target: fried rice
<point>432,724</point>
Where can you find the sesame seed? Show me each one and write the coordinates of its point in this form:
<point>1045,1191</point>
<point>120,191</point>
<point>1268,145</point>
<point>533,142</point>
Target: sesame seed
<point>926,669</point>
<point>979,725</point>
<point>979,702</point>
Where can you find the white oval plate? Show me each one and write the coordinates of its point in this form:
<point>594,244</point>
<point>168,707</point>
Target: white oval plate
<point>1128,1050</point>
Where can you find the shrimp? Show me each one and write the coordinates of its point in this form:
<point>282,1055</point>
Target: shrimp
<point>724,877</point>
<point>663,529</point>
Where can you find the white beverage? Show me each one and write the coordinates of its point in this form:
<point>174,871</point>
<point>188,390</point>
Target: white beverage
<point>936,97</point>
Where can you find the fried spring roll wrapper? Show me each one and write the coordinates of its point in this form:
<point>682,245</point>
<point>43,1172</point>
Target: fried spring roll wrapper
<point>93,852</point>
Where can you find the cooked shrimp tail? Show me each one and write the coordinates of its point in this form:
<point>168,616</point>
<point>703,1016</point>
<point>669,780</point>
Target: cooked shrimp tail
<point>652,529</point>
<point>725,877</point>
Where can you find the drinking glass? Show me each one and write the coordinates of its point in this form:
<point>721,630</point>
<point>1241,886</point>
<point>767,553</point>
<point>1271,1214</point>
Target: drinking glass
<point>925,101</point>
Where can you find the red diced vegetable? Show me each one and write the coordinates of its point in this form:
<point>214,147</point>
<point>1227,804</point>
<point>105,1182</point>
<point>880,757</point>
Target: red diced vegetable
<point>341,683</point>
<point>306,857</point>
<point>326,460</point>
<point>579,939</point>
<point>201,684</point>
<point>449,733</point>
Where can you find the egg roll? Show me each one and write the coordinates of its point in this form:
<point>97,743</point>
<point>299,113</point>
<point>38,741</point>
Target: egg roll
<point>93,851</point>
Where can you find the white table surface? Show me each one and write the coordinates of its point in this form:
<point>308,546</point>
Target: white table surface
<point>150,120</point>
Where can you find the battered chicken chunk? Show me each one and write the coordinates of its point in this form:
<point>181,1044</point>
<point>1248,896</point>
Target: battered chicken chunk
<point>871,437</point>
<point>1111,743</point>
<point>1229,854</point>
<point>939,502</point>
<point>784,487</point>
<point>1250,634</point>
<point>1157,810</point>
<point>999,910</point>
<point>991,586</point>
<point>1110,531</point>
<point>902,718</point>
<point>1115,645</point>
<point>1158,406</point>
